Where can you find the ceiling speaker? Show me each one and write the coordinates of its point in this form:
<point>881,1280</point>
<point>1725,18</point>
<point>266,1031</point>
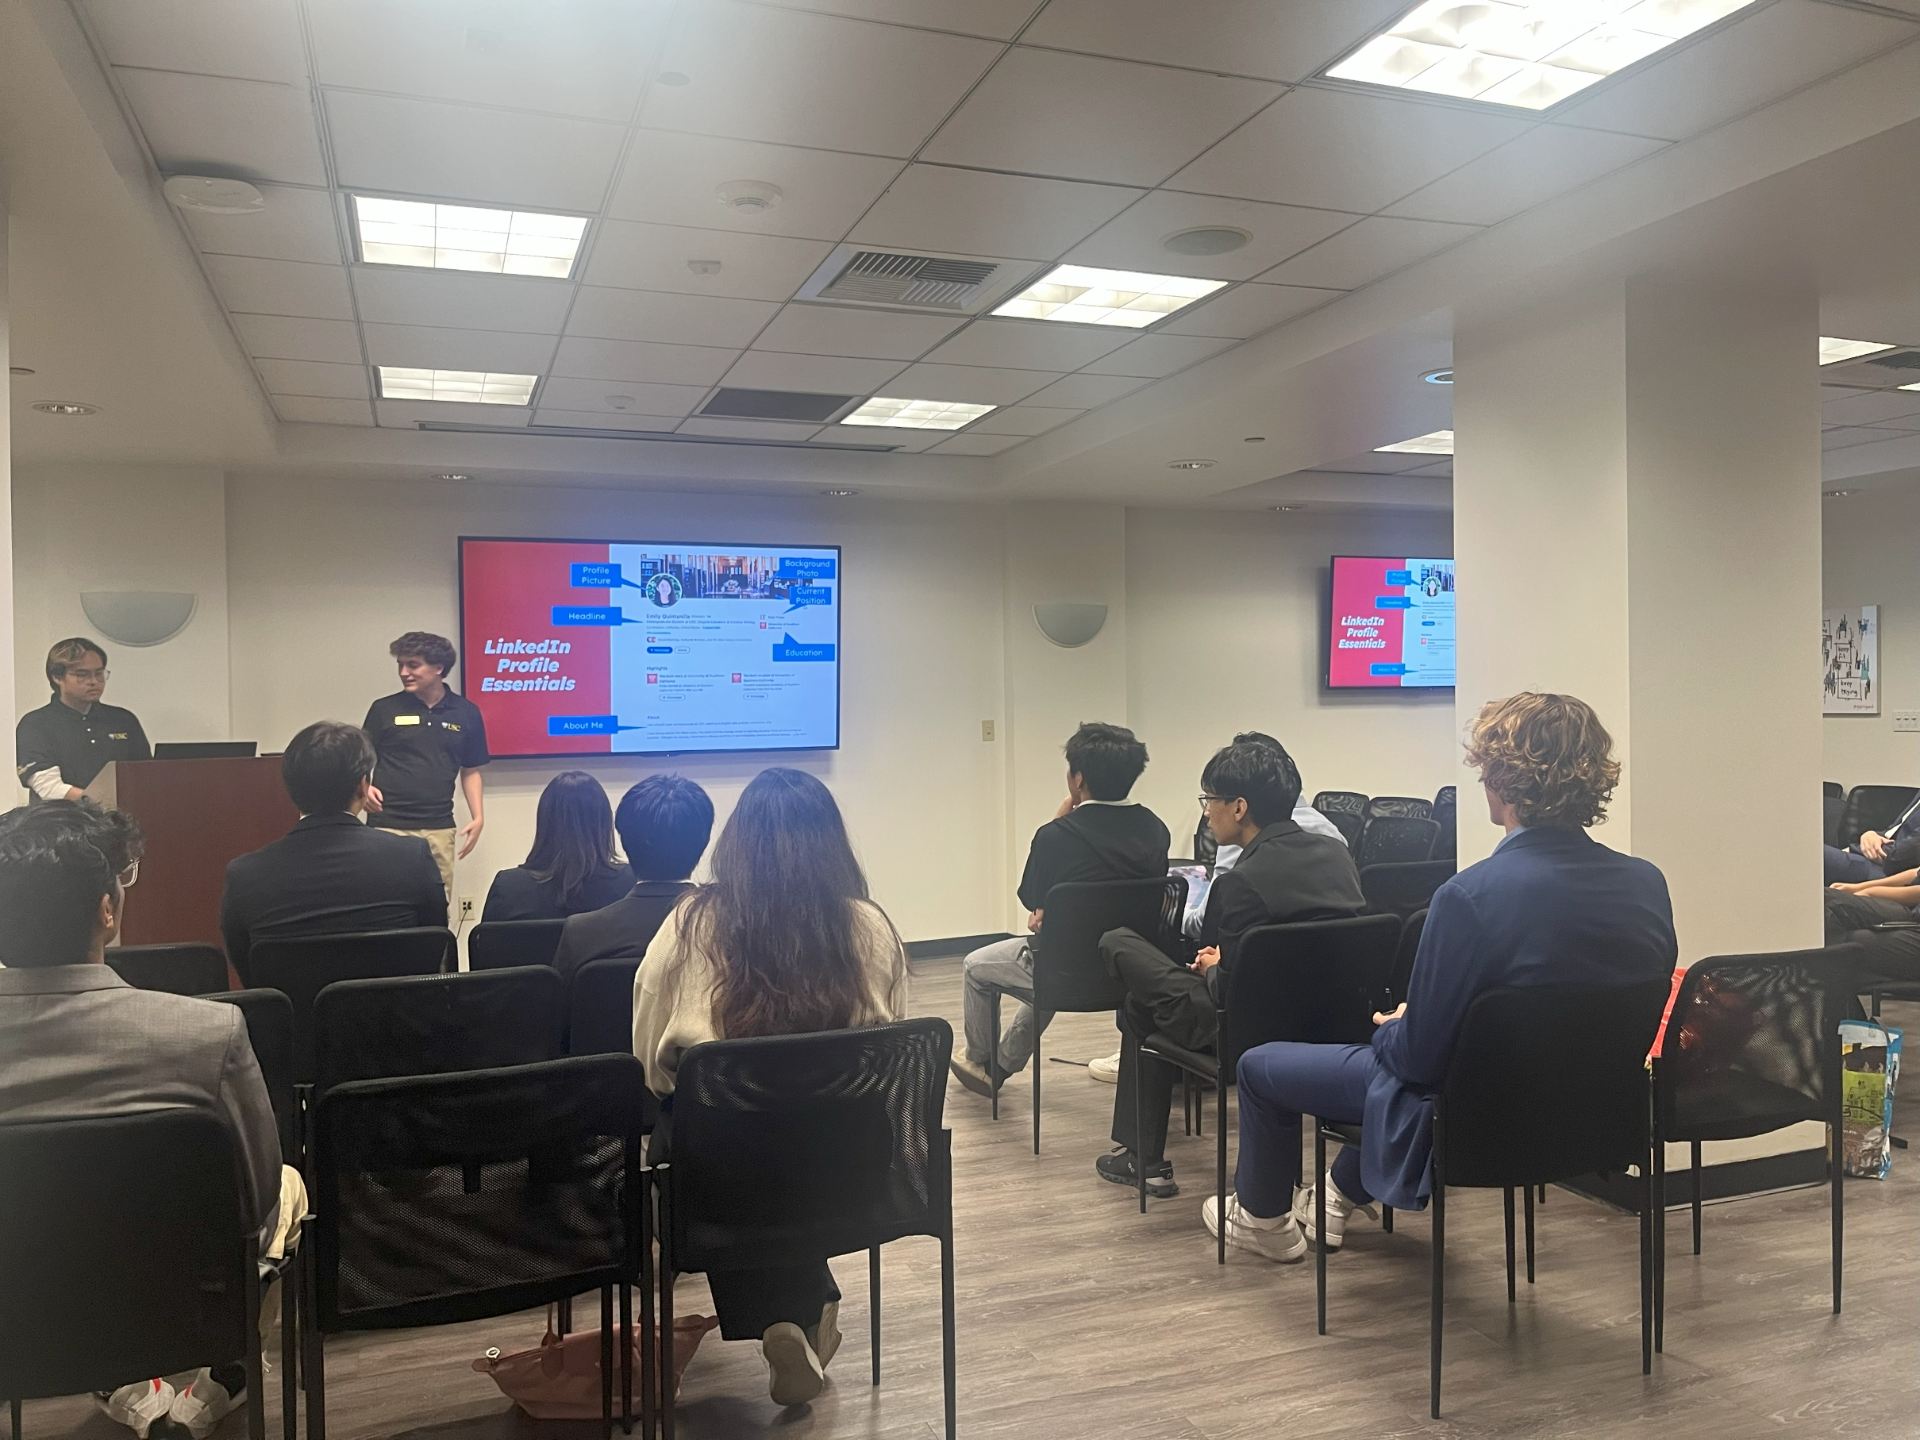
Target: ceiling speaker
<point>1069,623</point>
<point>139,617</point>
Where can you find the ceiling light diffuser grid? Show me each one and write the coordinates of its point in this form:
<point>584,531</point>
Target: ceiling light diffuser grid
<point>917,414</point>
<point>1833,350</point>
<point>466,237</point>
<point>472,387</point>
<point>1082,295</point>
<point>1440,442</point>
<point>1526,55</point>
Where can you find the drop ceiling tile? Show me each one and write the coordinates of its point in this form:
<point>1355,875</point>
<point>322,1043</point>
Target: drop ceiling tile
<point>806,79</point>
<point>606,314</point>
<point>605,420</point>
<point>1758,59</point>
<point>656,257</point>
<point>977,444</point>
<point>878,435</point>
<point>673,179</point>
<point>468,152</point>
<point>280,287</point>
<point>1871,408</point>
<point>1152,356</point>
<point>1540,164</point>
<point>310,410</point>
<point>748,429</point>
<point>1377,246</point>
<point>1344,151</point>
<point>978,212</point>
<point>1022,420</point>
<point>1845,437</point>
<point>242,39</point>
<point>434,348</point>
<point>1901,422</point>
<point>1277,39</point>
<point>296,225</point>
<point>1085,392</point>
<point>1247,310</point>
<point>1045,112</point>
<point>1137,240</point>
<point>816,374</point>
<point>968,384</point>
<point>641,360</point>
<point>1030,344</point>
<point>314,379</point>
<point>411,414</point>
<point>390,296</point>
<point>276,337</point>
<point>844,330</point>
<point>576,57</point>
<point>198,124</point>
<point>591,396</point>
<point>1000,19</point>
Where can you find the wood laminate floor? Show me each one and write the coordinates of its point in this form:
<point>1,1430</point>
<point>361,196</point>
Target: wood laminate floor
<point>1079,1319</point>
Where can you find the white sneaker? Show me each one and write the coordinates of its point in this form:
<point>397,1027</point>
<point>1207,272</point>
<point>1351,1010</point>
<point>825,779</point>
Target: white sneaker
<point>1276,1239</point>
<point>794,1375</point>
<point>1106,1069</point>
<point>137,1406</point>
<point>1339,1207</point>
<point>204,1404</point>
<point>825,1336</point>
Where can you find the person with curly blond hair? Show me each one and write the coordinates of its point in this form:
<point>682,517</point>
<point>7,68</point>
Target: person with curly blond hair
<point>1550,906</point>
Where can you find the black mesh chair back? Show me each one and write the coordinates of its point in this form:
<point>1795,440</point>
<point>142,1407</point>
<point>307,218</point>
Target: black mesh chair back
<point>506,944</point>
<point>1068,973</point>
<point>1347,809</point>
<point>125,1250</point>
<point>269,1016</point>
<point>1548,1082</point>
<point>600,1008</point>
<point>1206,849</point>
<point>1394,839</point>
<point>176,969</point>
<point>1833,790</point>
<point>300,968</point>
<point>1402,887</point>
<point>441,1198</point>
<point>1832,808</point>
<point>437,1024</point>
<point>1405,807</point>
<point>1411,929</point>
<point>1446,814</point>
<point>1314,981</point>
<point>1872,807</point>
<point>1446,795</point>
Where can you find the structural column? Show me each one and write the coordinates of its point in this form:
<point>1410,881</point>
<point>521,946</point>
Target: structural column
<point>13,792</point>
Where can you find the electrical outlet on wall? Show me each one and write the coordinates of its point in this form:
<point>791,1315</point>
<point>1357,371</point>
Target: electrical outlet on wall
<point>986,729</point>
<point>1906,722</point>
<point>466,908</point>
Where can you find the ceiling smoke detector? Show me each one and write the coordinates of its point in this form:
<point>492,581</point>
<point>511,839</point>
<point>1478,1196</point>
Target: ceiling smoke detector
<point>750,197</point>
<point>839,493</point>
<point>213,195</point>
<point>704,267</point>
<point>453,475</point>
<point>1191,464</point>
<point>1207,240</point>
<point>66,407</point>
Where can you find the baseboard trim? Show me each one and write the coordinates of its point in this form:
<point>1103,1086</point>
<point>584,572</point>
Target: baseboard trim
<point>1717,1182</point>
<point>952,945</point>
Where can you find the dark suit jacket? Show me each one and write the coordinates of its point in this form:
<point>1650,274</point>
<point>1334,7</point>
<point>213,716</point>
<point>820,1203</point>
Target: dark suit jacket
<point>622,930</point>
<point>1550,905</point>
<point>1286,874</point>
<point>519,894</point>
<point>327,875</point>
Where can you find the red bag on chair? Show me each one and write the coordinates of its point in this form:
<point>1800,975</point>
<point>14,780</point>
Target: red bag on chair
<point>560,1379</point>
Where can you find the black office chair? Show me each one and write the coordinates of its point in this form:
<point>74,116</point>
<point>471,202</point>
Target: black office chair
<point>506,944</point>
<point>127,1253</point>
<point>437,1024</point>
<point>600,1007</point>
<point>269,1017</point>
<point>1206,849</point>
<point>1831,808</point>
<point>446,1198</point>
<point>1411,929</point>
<point>1446,814</point>
<point>1347,809</point>
<point>790,1149</point>
<point>175,969</point>
<point>1752,1046</point>
<point>1833,789</point>
<point>1313,981</point>
<point>1402,887</point>
<point>300,968</point>
<point>1068,973</point>
<point>1871,807</point>
<point>1396,839</point>
<point>1400,807</point>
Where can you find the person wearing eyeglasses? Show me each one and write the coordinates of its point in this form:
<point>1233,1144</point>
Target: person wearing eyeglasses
<point>61,748</point>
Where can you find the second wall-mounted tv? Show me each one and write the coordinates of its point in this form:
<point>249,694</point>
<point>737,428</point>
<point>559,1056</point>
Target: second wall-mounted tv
<point>1391,623</point>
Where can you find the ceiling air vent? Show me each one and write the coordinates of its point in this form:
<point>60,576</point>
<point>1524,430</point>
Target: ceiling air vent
<point>738,404</point>
<point>904,280</point>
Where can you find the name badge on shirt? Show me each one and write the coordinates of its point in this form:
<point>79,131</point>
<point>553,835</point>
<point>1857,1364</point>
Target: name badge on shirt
<point>118,734</point>
<point>406,719</point>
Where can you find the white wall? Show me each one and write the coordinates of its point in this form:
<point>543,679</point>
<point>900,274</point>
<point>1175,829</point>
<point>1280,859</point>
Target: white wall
<point>1868,541</point>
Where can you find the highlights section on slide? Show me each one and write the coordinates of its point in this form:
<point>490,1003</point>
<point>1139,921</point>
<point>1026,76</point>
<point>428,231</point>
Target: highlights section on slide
<point>1392,623</point>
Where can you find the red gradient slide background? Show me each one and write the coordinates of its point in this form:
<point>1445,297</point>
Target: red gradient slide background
<point>508,589</point>
<point>1358,583</point>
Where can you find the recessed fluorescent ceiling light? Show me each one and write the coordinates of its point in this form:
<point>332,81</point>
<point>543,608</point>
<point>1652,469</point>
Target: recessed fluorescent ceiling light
<point>1527,55</point>
<point>1833,351</point>
<point>475,387</point>
<point>916,414</point>
<point>1440,442</point>
<point>464,237</point>
<point>1081,295</point>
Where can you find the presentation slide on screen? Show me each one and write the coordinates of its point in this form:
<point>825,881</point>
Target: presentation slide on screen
<point>583,648</point>
<point>1393,622</point>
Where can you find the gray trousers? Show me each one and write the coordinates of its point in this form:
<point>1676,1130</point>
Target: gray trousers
<point>1003,961</point>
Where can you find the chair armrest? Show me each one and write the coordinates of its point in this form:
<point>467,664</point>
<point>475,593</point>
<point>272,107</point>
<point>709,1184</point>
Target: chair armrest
<point>1896,925</point>
<point>1203,1063</point>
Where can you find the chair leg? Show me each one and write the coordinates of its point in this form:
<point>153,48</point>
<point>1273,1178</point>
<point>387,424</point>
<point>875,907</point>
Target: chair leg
<point>1319,1227</point>
<point>1439,1292</point>
<point>313,1369</point>
<point>1507,1196</point>
<point>626,1357</point>
<point>289,1351</point>
<point>606,1361</point>
<point>649,1386</point>
<point>1139,1103</point>
<point>1386,1219</point>
<point>1696,1197</point>
<point>1220,1170</point>
<point>1199,1113</point>
<point>1659,1243</point>
<point>1186,1104</point>
<point>1543,1194</point>
<point>15,1408</point>
<point>993,1051</point>
<point>1529,1228</point>
<point>873,1307</point>
<point>1837,1172</point>
<point>1038,1066</point>
<point>563,1318</point>
<point>667,1387</point>
<point>256,1367</point>
<point>946,1325</point>
<point>1646,1268</point>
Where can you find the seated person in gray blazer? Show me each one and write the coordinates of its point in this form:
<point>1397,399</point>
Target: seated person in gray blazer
<point>664,823</point>
<point>80,1043</point>
<point>329,874</point>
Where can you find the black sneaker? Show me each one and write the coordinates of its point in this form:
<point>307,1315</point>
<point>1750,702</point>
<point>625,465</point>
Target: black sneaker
<point>1119,1166</point>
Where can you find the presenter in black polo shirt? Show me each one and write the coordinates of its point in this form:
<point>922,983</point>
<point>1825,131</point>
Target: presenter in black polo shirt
<point>59,749</point>
<point>427,737</point>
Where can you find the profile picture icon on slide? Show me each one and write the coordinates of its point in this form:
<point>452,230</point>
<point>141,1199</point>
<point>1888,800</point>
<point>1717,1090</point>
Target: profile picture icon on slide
<point>663,590</point>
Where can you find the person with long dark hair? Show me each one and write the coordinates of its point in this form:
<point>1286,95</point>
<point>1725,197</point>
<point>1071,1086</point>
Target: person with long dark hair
<point>782,941</point>
<point>571,867</point>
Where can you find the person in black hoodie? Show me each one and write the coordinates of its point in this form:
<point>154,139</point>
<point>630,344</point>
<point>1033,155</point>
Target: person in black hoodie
<point>1098,834</point>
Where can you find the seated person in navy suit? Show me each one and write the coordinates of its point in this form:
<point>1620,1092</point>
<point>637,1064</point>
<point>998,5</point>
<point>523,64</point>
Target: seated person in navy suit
<point>1550,905</point>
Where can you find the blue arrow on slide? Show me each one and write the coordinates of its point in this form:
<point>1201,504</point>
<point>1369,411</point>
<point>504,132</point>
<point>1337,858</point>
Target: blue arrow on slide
<point>607,615</point>
<point>599,575</point>
<point>790,650</point>
<point>804,595</point>
<point>586,725</point>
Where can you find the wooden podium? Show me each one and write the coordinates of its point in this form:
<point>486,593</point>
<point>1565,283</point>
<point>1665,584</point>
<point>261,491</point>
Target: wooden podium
<point>197,815</point>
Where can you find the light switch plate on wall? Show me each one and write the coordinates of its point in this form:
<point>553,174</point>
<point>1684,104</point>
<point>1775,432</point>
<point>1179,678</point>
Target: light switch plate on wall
<point>1906,722</point>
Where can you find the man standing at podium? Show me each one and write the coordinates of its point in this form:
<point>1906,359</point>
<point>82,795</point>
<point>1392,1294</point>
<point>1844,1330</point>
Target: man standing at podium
<point>427,737</point>
<point>59,749</point>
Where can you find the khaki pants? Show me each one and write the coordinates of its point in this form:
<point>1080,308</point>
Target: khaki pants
<point>441,843</point>
<point>292,1210</point>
